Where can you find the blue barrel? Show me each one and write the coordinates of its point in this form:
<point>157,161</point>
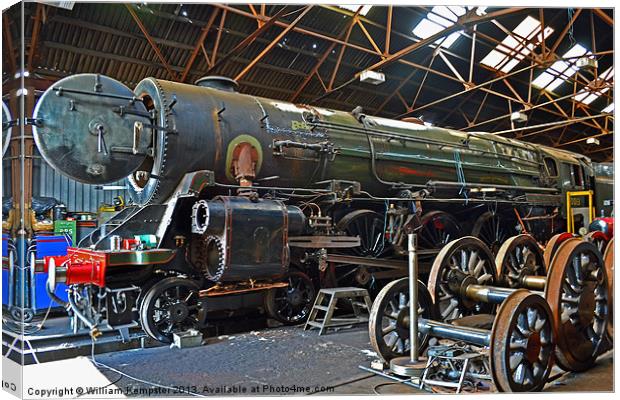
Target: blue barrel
<point>42,246</point>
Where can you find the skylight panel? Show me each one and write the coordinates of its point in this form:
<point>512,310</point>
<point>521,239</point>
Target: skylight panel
<point>506,55</point>
<point>449,13</point>
<point>438,19</point>
<point>586,97</point>
<point>608,75</point>
<point>609,108</point>
<point>355,7</point>
<point>561,70</point>
<point>450,39</point>
<point>427,28</point>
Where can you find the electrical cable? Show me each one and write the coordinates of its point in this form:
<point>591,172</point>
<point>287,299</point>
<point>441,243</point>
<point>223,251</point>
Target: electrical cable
<point>460,175</point>
<point>377,386</point>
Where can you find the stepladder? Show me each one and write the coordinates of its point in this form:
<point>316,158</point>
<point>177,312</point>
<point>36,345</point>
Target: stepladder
<point>326,303</point>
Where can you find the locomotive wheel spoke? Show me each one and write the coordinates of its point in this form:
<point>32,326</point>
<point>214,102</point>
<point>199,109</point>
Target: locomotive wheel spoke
<point>515,360</point>
<point>532,319</point>
<point>389,329</point>
<point>478,268</point>
<point>448,313</point>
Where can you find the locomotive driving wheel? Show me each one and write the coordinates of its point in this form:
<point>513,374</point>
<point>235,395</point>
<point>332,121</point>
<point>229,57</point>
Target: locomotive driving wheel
<point>438,228</point>
<point>518,257</point>
<point>292,304</point>
<point>521,346</point>
<point>170,306</point>
<point>493,229</point>
<point>389,319</point>
<point>576,291</point>
<point>460,263</point>
<point>369,226</point>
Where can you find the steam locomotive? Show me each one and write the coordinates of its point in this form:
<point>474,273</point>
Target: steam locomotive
<point>241,201</point>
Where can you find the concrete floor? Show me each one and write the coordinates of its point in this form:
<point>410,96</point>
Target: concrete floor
<point>284,360</point>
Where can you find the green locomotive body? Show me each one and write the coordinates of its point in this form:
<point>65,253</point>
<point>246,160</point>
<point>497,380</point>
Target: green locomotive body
<point>247,192</point>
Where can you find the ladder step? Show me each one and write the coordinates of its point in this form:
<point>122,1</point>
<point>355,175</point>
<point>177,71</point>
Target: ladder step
<point>322,308</point>
<point>359,304</point>
<point>315,324</point>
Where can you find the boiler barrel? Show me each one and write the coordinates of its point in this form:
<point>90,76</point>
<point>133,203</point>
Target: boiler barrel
<point>201,128</point>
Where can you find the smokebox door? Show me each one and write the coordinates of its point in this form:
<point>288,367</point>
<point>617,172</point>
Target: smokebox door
<point>91,128</point>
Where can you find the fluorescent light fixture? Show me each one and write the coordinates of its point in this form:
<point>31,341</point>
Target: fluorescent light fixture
<point>372,77</point>
<point>586,63</point>
<point>561,70</point>
<point>499,57</point>
<point>518,116</point>
<point>355,7</point>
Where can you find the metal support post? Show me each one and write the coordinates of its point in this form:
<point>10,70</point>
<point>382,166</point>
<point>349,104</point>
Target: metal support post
<point>413,365</point>
<point>413,302</point>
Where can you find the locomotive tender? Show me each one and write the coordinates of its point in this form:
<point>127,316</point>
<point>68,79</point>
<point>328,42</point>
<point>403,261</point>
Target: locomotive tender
<point>239,200</point>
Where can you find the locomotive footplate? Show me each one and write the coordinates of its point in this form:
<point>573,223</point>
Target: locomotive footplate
<point>237,288</point>
<point>324,242</point>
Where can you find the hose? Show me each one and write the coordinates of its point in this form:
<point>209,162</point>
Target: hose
<point>56,299</point>
<point>94,332</point>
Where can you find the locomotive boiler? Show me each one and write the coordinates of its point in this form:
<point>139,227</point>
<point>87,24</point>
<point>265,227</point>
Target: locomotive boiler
<point>236,195</point>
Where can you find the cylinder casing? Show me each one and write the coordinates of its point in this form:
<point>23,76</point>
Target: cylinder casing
<point>245,239</point>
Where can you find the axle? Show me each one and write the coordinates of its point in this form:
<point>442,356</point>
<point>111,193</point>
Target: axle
<point>468,287</point>
<point>487,294</point>
<point>534,282</point>
<point>476,336</point>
